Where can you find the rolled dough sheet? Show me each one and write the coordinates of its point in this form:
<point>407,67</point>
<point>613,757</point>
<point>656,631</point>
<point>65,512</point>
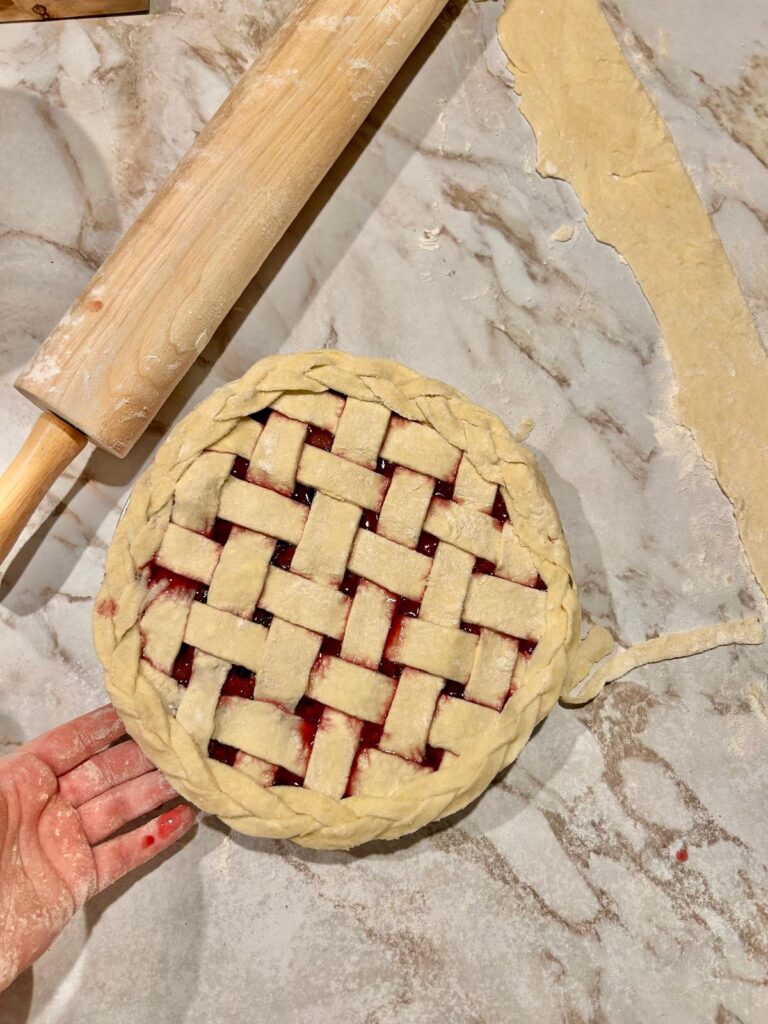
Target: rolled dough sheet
<point>597,128</point>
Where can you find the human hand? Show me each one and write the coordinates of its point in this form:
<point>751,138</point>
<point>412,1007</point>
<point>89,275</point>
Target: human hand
<point>59,798</point>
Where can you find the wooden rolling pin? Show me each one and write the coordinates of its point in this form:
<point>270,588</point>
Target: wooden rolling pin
<point>152,307</point>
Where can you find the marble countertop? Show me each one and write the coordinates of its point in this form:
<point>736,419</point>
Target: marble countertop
<point>558,895</point>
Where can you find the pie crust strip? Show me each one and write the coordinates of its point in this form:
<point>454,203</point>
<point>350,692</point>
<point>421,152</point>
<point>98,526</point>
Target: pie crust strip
<point>597,128</point>
<point>660,648</point>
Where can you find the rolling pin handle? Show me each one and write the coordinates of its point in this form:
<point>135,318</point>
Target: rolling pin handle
<point>51,446</point>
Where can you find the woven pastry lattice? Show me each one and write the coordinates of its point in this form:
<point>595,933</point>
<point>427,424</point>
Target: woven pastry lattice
<point>338,602</point>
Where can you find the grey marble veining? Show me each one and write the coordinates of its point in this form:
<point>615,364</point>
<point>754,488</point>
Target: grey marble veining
<point>557,896</point>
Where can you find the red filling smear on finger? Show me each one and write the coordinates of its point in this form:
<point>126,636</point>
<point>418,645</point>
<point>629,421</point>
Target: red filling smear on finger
<point>148,841</point>
<point>168,823</point>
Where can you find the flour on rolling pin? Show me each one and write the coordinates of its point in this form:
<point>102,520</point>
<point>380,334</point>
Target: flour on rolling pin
<point>154,305</point>
<point>150,310</point>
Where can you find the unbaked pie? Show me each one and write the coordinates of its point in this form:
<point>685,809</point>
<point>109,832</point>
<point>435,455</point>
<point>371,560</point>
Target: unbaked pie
<point>338,603</point>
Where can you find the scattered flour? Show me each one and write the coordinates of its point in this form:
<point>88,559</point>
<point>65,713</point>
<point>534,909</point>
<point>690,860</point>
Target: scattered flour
<point>428,240</point>
<point>564,233</point>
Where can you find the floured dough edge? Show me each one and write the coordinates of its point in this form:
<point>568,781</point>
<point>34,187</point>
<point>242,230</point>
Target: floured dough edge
<point>598,644</point>
<point>597,128</point>
<point>309,818</point>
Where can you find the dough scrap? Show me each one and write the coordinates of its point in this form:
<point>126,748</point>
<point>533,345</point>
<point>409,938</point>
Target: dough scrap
<point>661,648</point>
<point>597,128</point>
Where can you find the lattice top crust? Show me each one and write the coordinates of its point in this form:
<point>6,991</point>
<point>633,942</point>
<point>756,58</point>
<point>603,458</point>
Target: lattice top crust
<point>338,603</point>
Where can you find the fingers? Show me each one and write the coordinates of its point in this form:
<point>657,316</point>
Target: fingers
<point>107,813</point>
<point>121,855</point>
<point>103,771</point>
<point>70,744</point>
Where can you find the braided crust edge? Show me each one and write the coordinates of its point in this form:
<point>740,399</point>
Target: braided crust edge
<point>313,819</point>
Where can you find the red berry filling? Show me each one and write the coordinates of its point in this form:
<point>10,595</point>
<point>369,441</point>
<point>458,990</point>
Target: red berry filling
<point>331,646</point>
<point>222,752</point>
<point>390,668</point>
<point>453,689</point>
<point>499,510</point>
<point>283,555</point>
<point>349,584</point>
<point>526,648</point>
<point>427,544</point>
<point>370,734</point>
<point>320,438</point>
<point>369,520</point>
<point>106,607</point>
<point>240,468</point>
<point>182,667</point>
<point>433,757</point>
<point>285,778</point>
<point>484,567</point>
<point>408,608</point>
<point>310,710</point>
<point>303,494</point>
<point>443,489</point>
<point>174,582</point>
<point>262,617</point>
<point>239,683</point>
<point>220,531</point>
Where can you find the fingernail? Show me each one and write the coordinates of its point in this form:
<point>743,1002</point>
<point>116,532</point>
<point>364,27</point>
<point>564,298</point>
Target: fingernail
<point>169,822</point>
